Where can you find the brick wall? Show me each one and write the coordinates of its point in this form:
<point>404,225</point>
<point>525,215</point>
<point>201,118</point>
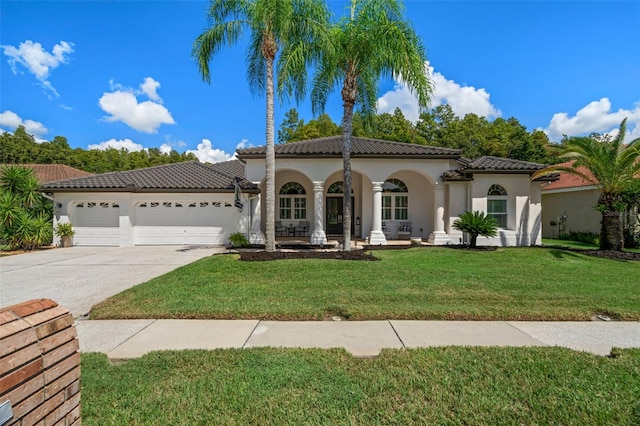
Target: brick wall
<point>39,364</point>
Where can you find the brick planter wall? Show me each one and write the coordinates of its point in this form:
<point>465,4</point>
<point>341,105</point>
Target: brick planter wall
<point>39,364</point>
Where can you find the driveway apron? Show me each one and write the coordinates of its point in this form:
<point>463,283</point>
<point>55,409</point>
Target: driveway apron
<point>79,277</point>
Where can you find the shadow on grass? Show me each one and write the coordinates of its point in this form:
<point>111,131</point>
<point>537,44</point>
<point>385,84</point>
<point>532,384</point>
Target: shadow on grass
<point>561,254</point>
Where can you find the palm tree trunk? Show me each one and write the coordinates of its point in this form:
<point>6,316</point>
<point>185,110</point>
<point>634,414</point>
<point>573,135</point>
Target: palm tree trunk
<point>349,91</point>
<point>611,235</point>
<point>270,243</point>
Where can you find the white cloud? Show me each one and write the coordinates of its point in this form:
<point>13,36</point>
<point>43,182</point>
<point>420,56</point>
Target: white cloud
<point>463,99</point>
<point>206,153</point>
<point>11,120</point>
<point>122,105</point>
<point>165,148</point>
<point>149,87</point>
<point>127,144</point>
<point>244,143</point>
<point>596,117</point>
<point>38,61</point>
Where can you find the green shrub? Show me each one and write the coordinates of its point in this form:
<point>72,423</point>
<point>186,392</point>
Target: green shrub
<point>476,223</point>
<point>65,229</point>
<point>238,239</point>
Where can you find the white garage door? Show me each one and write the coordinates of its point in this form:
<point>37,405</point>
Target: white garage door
<point>96,223</point>
<point>184,222</point>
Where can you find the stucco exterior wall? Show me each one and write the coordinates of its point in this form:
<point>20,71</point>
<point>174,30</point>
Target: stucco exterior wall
<point>576,205</point>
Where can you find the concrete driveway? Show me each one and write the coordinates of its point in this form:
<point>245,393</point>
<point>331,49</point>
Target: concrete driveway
<point>79,277</point>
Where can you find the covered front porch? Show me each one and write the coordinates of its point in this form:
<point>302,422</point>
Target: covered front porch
<point>395,208</point>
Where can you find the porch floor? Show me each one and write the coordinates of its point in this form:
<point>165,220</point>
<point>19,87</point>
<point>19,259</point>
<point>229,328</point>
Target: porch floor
<point>334,241</point>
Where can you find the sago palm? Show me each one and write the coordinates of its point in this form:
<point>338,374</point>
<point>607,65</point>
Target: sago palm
<point>476,224</point>
<point>290,26</point>
<point>615,168</point>
<point>375,41</point>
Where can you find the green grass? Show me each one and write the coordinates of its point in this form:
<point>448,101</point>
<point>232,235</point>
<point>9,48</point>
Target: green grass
<point>453,385</point>
<point>419,283</point>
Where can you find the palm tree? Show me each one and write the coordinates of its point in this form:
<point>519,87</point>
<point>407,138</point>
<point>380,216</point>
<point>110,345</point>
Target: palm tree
<point>375,41</point>
<point>289,25</point>
<point>476,223</point>
<point>613,167</point>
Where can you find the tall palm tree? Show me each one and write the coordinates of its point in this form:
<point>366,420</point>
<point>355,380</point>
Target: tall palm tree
<point>614,167</point>
<point>287,25</point>
<point>375,41</point>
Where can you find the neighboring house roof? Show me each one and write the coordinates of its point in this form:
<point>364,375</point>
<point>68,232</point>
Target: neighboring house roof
<point>191,176</point>
<point>52,172</point>
<point>360,148</point>
<point>489,164</point>
<point>567,180</point>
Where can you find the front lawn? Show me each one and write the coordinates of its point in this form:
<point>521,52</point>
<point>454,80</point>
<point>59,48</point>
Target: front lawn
<point>419,283</point>
<point>479,386</point>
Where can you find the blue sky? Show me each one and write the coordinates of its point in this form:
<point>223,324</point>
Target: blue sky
<point>120,73</point>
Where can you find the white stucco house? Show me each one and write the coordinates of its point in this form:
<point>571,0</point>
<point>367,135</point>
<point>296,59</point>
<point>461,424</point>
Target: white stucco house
<point>394,185</point>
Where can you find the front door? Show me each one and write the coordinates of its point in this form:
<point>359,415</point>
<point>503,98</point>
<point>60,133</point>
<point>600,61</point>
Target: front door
<point>335,211</point>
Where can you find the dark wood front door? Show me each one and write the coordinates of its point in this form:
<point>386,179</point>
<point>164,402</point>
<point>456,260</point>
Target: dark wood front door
<point>335,213</point>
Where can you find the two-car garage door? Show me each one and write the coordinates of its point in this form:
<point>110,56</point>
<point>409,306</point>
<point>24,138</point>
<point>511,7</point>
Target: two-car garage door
<point>184,222</point>
<point>205,221</point>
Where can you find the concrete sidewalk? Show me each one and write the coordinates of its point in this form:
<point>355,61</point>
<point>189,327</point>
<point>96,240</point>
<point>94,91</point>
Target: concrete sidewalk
<point>123,339</point>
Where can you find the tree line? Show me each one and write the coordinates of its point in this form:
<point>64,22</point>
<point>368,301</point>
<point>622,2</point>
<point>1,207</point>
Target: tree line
<point>20,147</point>
<point>474,135</point>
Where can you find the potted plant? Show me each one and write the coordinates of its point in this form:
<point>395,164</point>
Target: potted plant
<point>238,239</point>
<point>65,232</point>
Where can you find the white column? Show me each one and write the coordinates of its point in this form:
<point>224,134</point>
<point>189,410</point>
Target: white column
<point>438,237</point>
<point>318,236</point>
<point>377,236</point>
<point>256,236</point>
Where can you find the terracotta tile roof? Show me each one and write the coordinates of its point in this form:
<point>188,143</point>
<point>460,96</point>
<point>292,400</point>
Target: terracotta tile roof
<point>498,164</point>
<point>177,177</point>
<point>52,172</point>
<point>489,164</point>
<point>567,180</point>
<point>360,148</point>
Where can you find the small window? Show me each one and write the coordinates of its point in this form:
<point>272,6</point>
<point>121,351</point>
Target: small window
<point>143,204</point>
<point>153,204</point>
<point>337,188</point>
<point>215,204</point>
<point>166,204</point>
<point>192,204</point>
<point>177,205</point>
<point>91,205</point>
<point>227,204</point>
<point>115,205</point>
<point>497,205</point>
<point>80,205</point>
<point>204,204</point>
<point>104,205</point>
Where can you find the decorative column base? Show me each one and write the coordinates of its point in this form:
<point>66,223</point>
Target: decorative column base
<point>439,238</point>
<point>377,238</point>
<point>318,238</point>
<point>256,238</point>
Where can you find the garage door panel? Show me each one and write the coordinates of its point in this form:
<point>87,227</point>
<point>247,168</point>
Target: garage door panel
<point>184,222</point>
<point>96,223</point>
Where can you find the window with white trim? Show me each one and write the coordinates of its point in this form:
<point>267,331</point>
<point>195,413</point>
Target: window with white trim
<point>497,205</point>
<point>293,201</point>
<point>396,206</point>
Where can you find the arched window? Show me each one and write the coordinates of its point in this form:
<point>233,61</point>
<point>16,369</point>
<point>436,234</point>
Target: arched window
<point>293,201</point>
<point>497,204</point>
<point>337,188</point>
<point>396,206</point>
